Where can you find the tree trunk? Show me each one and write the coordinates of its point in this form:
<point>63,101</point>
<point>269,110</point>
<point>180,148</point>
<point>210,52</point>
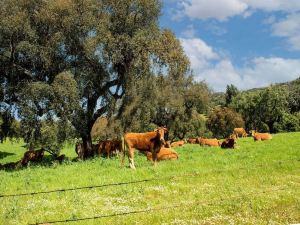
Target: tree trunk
<point>87,145</point>
<point>271,126</point>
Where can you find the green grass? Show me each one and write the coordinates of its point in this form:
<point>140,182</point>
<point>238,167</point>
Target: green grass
<point>256,183</point>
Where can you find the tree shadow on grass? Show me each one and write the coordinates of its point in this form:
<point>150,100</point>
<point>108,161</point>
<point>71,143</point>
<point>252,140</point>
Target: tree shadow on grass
<point>47,161</point>
<point>5,154</point>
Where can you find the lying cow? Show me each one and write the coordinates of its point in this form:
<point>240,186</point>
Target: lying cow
<point>228,143</point>
<point>167,144</point>
<point>193,141</point>
<point>149,141</point>
<point>177,143</point>
<point>261,136</point>
<point>32,156</point>
<point>240,132</point>
<point>208,141</point>
<point>163,154</point>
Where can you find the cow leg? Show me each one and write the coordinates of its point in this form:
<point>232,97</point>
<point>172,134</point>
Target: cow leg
<point>107,152</point>
<point>154,157</point>
<point>130,157</point>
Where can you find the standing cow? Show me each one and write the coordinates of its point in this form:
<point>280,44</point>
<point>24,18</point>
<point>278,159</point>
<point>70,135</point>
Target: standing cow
<point>240,132</point>
<point>149,141</point>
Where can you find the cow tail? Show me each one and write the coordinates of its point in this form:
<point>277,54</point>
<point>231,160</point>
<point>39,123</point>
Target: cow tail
<point>123,150</point>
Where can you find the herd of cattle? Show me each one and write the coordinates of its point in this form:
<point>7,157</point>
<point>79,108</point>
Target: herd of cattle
<point>152,144</point>
<point>156,148</point>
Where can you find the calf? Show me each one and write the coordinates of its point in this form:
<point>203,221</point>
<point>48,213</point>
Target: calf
<point>228,143</point>
<point>208,142</point>
<point>108,147</point>
<point>164,154</point>
<point>240,132</point>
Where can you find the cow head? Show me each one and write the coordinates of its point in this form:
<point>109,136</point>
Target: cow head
<point>252,132</point>
<point>161,134</point>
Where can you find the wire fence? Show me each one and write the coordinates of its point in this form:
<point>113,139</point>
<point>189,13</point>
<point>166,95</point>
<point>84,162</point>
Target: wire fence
<point>166,207</point>
<point>173,177</point>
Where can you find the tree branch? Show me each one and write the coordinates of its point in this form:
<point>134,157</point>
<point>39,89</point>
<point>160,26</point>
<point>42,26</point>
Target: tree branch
<point>99,113</point>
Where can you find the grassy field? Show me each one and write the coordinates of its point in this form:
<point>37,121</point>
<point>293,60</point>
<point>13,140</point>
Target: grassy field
<point>256,183</point>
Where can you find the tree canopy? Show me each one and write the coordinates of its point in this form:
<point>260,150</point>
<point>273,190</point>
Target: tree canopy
<point>107,46</point>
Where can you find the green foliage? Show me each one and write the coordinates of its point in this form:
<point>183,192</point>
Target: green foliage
<point>9,126</point>
<point>194,126</point>
<point>107,45</point>
<point>294,96</point>
<point>45,111</point>
<point>231,92</point>
<point>262,109</point>
<point>222,121</point>
<point>288,122</point>
<point>166,101</point>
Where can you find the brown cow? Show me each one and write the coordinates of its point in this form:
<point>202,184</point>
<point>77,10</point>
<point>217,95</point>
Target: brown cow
<point>177,143</point>
<point>228,143</point>
<point>80,150</point>
<point>193,141</point>
<point>32,156</point>
<point>164,154</point>
<point>261,136</point>
<point>233,136</point>
<point>149,141</point>
<point>108,147</point>
<point>240,132</point>
<point>209,142</point>
<point>168,144</point>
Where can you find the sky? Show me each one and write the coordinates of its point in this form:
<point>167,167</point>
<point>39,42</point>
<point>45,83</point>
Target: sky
<point>247,43</point>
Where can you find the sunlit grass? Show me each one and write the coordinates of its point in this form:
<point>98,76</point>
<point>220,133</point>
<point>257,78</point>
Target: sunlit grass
<point>256,183</point>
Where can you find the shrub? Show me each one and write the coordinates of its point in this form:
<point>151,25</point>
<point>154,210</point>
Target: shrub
<point>222,121</point>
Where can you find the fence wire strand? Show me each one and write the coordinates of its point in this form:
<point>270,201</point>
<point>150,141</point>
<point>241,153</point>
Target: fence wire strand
<point>173,177</point>
<point>174,206</point>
